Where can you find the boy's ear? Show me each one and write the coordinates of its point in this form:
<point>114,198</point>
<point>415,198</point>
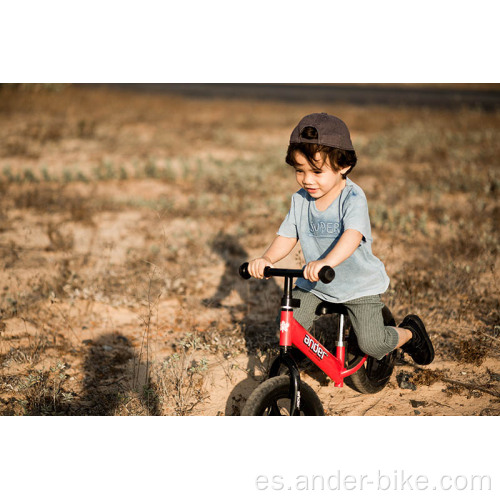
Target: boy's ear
<point>345,170</point>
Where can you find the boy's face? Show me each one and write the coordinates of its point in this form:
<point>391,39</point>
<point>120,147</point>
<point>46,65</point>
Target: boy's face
<point>322,182</point>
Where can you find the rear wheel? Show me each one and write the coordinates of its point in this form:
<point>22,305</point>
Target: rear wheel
<point>272,398</point>
<point>374,375</point>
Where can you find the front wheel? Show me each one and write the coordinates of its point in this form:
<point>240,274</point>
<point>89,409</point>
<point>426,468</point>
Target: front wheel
<point>272,398</point>
<point>374,375</point>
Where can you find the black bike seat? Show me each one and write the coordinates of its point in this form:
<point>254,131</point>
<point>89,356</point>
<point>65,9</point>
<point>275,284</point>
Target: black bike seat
<point>330,308</point>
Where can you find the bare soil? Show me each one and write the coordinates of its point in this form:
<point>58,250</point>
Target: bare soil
<point>124,218</point>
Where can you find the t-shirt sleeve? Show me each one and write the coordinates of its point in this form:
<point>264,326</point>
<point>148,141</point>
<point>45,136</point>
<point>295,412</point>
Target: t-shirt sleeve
<point>356,214</point>
<point>288,227</point>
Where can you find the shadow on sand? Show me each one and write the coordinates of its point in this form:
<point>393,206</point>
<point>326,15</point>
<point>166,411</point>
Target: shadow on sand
<point>111,372</point>
<point>260,301</point>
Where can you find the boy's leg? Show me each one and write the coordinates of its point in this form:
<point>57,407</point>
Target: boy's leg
<point>404,336</point>
<point>377,340</point>
<point>374,338</point>
<point>306,313</point>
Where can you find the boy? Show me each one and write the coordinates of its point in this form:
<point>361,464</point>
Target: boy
<point>329,215</point>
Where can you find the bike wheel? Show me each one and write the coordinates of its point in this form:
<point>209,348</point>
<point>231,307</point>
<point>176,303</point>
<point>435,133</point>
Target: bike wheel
<point>374,375</point>
<point>271,398</point>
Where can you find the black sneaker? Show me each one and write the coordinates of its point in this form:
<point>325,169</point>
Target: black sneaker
<point>419,347</point>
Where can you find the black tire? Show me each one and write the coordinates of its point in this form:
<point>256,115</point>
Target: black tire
<point>374,375</point>
<point>271,398</point>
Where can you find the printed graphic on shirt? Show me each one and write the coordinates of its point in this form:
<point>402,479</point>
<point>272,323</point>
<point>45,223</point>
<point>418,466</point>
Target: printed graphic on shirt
<point>321,229</point>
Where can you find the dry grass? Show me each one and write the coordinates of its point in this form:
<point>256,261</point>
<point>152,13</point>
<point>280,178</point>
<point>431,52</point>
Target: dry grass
<point>124,217</point>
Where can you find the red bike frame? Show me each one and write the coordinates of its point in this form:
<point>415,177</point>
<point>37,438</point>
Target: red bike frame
<point>294,334</point>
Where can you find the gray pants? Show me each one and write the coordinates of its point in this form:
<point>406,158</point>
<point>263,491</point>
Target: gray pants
<point>365,313</point>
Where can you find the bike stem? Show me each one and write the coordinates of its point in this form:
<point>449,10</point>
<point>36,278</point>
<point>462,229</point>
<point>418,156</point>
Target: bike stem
<point>287,301</point>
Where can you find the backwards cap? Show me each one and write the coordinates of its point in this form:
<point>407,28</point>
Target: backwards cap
<point>332,131</point>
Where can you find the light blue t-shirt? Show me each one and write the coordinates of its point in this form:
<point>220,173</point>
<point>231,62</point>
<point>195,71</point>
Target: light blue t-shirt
<point>318,231</point>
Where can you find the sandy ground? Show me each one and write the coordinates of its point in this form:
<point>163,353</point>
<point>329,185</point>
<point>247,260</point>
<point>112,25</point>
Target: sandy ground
<point>124,218</point>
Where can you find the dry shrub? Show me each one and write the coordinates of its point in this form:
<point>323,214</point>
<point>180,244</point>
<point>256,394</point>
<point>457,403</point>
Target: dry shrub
<point>180,379</point>
<point>45,132</point>
<point>42,392</point>
<point>426,377</point>
<point>471,351</point>
<point>489,412</point>
<point>53,199</point>
<point>19,147</point>
<point>41,198</point>
<point>454,390</point>
<point>30,354</point>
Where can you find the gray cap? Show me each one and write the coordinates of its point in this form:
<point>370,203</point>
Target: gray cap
<point>332,131</point>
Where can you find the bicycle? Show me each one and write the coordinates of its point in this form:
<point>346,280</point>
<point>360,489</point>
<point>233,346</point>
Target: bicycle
<point>286,394</point>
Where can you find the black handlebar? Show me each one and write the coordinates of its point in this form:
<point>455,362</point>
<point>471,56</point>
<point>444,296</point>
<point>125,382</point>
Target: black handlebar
<point>326,274</point>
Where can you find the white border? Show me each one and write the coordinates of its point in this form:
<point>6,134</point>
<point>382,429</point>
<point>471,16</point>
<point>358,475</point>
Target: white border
<point>260,41</point>
<point>203,457</point>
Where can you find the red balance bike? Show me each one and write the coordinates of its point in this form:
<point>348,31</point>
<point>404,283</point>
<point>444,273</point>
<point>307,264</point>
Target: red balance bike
<point>287,394</point>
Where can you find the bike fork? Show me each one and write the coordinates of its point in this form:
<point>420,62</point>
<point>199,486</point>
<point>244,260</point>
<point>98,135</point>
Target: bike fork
<point>293,372</point>
<point>287,305</point>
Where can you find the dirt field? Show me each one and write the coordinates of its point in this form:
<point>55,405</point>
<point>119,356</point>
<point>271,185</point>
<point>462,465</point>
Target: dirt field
<point>124,218</point>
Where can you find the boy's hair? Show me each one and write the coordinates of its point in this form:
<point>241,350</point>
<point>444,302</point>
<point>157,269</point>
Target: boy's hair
<point>325,134</point>
<point>339,158</point>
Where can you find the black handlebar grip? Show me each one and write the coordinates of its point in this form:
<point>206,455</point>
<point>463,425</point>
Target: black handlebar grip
<point>244,271</point>
<point>326,274</point>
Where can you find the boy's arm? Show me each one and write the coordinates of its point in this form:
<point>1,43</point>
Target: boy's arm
<point>278,250</point>
<point>344,248</point>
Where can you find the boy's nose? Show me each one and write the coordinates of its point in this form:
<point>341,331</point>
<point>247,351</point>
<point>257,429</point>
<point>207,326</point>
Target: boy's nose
<point>308,179</point>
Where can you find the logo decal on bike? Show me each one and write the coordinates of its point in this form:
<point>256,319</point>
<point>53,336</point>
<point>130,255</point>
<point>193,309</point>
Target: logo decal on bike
<point>284,326</point>
<point>315,347</point>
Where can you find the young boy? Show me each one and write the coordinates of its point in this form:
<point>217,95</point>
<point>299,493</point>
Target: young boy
<point>329,215</point>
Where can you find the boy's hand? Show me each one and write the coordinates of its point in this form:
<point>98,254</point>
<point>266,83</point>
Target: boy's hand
<point>256,267</point>
<point>313,268</point>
